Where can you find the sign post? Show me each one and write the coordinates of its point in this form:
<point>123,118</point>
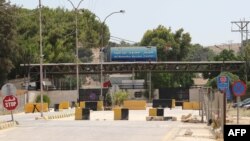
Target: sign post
<point>10,102</point>
<point>239,89</point>
<point>223,85</point>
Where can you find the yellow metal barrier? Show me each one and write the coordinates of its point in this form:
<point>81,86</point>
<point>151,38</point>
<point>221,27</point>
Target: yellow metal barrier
<point>191,106</point>
<point>99,105</point>
<point>173,103</point>
<point>135,104</point>
<point>196,106</point>
<point>64,105</point>
<point>35,107</point>
<point>117,113</point>
<point>82,104</point>
<point>187,106</point>
<point>29,107</point>
<point>78,113</point>
<point>45,107</point>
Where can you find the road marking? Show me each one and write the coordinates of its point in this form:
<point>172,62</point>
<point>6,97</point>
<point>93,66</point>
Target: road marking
<point>171,134</point>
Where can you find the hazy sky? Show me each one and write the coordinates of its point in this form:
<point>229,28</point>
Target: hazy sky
<point>208,21</point>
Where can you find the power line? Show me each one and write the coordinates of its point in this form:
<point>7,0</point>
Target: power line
<point>122,39</point>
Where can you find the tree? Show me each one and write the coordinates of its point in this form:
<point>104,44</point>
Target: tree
<point>8,46</point>
<point>58,26</point>
<point>173,46</point>
<point>224,55</point>
<point>232,77</point>
<point>85,54</point>
<point>199,53</point>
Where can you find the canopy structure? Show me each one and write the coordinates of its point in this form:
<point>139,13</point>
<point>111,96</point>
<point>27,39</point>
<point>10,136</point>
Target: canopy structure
<point>129,67</point>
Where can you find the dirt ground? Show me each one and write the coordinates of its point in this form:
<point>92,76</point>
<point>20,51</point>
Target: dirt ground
<point>244,115</point>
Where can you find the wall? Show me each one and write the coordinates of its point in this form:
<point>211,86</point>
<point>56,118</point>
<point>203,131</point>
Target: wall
<point>194,94</point>
<point>55,97</point>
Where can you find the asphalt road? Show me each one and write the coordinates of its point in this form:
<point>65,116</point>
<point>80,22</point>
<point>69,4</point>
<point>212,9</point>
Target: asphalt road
<point>100,127</point>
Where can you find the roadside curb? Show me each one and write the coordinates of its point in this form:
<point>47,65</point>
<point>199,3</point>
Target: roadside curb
<point>7,124</point>
<point>58,116</point>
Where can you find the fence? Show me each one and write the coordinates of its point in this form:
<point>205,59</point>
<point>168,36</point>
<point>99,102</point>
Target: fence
<point>212,106</point>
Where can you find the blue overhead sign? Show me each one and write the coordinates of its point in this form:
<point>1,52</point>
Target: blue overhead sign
<point>131,54</point>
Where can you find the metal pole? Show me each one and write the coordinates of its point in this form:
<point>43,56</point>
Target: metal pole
<point>224,112</point>
<point>101,51</point>
<point>12,117</point>
<point>77,65</point>
<point>41,56</point>
<point>238,100</point>
<point>101,79</point>
<point>76,29</point>
<point>150,88</point>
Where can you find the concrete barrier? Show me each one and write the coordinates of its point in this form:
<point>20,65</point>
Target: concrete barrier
<point>9,124</point>
<point>135,104</point>
<point>85,104</point>
<point>60,115</point>
<point>64,105</point>
<point>82,113</point>
<point>121,113</point>
<point>156,112</point>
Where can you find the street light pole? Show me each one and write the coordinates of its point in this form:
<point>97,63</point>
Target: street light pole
<point>41,56</point>
<point>101,49</point>
<point>76,30</point>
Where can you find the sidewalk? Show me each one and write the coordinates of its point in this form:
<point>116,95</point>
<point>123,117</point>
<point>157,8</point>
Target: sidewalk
<point>190,132</point>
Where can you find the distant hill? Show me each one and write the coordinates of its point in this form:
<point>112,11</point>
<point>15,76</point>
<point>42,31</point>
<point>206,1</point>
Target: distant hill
<point>234,46</point>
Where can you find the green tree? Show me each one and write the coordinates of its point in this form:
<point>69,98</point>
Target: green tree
<point>199,53</point>
<point>232,77</point>
<point>58,26</point>
<point>224,55</point>
<point>171,46</point>
<point>8,47</point>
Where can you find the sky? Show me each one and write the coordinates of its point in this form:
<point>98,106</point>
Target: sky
<point>207,21</point>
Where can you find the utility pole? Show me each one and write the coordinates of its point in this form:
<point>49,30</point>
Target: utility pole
<point>41,56</point>
<point>242,27</point>
<point>76,42</point>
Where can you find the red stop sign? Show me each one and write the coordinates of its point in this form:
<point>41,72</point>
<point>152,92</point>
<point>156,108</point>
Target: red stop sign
<point>10,102</point>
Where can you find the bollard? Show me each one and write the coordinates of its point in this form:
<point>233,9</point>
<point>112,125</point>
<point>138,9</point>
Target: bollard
<point>56,107</point>
<point>121,114</point>
<point>156,112</point>
<point>82,113</point>
<point>85,113</point>
<point>159,112</point>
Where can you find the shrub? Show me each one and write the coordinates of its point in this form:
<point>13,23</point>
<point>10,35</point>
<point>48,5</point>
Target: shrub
<point>46,99</point>
<point>119,97</point>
